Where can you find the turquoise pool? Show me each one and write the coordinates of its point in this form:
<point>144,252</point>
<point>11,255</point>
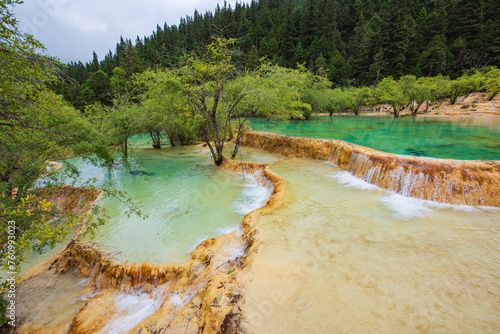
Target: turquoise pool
<point>471,138</point>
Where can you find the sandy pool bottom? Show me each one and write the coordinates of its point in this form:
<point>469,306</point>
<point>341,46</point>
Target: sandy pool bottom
<point>341,256</point>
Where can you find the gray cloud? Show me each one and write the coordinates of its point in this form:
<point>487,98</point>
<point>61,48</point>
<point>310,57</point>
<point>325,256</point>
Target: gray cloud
<point>72,29</point>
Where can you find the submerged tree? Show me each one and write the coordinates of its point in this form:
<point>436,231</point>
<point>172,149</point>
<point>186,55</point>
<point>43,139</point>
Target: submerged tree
<point>272,92</point>
<point>123,120</point>
<point>214,88</point>
<point>164,111</point>
<point>389,91</point>
<point>204,82</point>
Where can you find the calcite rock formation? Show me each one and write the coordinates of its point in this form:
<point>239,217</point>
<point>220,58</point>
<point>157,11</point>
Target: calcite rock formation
<point>207,282</point>
<point>72,199</point>
<point>460,182</point>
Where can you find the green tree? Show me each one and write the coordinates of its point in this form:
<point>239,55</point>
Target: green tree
<point>94,66</point>
<point>123,120</point>
<point>339,70</point>
<point>460,86</point>
<point>395,37</point>
<point>357,98</point>
<point>329,24</point>
<point>334,100</point>
<point>119,83</point>
<point>272,92</point>
<point>252,61</point>
<point>299,54</point>
<point>388,91</point>
<point>492,83</point>
<point>465,19</point>
<point>130,60</point>
<point>203,83</point>
<point>320,66</point>
<point>436,57</point>
<point>214,88</point>
<point>36,125</point>
<point>164,110</point>
<point>309,24</point>
<point>423,93</point>
<point>310,89</point>
<point>99,87</point>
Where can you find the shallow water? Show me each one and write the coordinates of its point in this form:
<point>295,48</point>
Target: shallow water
<point>51,300</point>
<point>344,256</point>
<point>186,198</point>
<point>132,309</point>
<point>340,255</point>
<point>467,138</point>
<point>214,202</point>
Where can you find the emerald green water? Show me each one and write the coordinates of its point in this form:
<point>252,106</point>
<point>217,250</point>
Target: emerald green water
<point>438,137</point>
<point>186,198</point>
<point>337,253</point>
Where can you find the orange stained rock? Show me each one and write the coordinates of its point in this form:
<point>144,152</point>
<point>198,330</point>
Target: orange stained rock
<point>217,293</point>
<point>460,182</point>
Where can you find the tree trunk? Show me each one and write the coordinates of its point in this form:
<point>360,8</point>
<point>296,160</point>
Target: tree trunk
<point>216,153</point>
<point>415,111</point>
<point>237,146</point>
<point>170,138</point>
<point>156,138</point>
<point>454,97</point>
<point>218,158</point>
<point>125,148</point>
<point>396,111</point>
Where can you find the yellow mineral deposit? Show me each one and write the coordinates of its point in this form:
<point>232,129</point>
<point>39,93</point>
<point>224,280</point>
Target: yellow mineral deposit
<point>475,183</point>
<point>93,293</point>
<point>200,294</point>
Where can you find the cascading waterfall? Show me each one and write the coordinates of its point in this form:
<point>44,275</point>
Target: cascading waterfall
<point>399,180</point>
<point>461,182</point>
<point>201,293</point>
<point>143,297</point>
<point>408,182</point>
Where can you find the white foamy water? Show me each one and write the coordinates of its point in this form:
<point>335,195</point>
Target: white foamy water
<point>229,230</point>
<point>132,309</point>
<point>224,230</point>
<point>349,180</point>
<point>409,207</point>
<point>341,259</point>
<point>180,300</point>
<point>403,206</point>
<point>233,251</point>
<point>254,195</point>
<point>406,207</point>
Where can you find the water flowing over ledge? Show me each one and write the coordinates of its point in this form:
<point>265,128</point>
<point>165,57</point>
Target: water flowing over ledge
<point>475,183</point>
<point>199,295</point>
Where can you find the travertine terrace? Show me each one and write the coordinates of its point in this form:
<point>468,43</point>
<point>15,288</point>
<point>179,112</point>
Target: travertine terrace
<point>460,182</point>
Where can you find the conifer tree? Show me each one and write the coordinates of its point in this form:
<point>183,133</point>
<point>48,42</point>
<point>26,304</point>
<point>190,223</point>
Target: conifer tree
<point>288,34</point>
<point>381,37</point>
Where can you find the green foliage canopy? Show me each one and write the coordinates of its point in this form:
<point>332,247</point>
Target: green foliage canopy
<point>35,125</point>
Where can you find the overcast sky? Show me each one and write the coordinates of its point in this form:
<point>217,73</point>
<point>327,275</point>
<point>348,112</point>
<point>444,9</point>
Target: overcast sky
<point>72,29</point>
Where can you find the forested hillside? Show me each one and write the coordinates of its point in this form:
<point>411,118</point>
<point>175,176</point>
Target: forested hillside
<point>358,42</point>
